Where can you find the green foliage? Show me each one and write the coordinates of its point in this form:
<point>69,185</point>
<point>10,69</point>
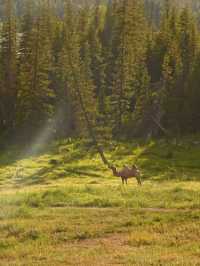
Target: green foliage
<point>103,58</point>
<point>35,95</point>
<point>8,69</point>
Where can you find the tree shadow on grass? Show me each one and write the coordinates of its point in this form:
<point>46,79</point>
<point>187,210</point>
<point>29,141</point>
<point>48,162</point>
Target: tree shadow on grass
<point>34,179</point>
<point>45,175</point>
<point>179,176</point>
<point>169,162</point>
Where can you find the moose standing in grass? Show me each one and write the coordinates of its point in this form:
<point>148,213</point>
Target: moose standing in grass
<point>127,173</point>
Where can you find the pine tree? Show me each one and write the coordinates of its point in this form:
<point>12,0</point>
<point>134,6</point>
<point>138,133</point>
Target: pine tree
<point>25,95</point>
<point>86,85</point>
<point>189,45</point>
<point>177,68</point>
<point>171,69</point>
<point>96,54</point>
<point>8,73</point>
<point>74,69</point>
<point>35,97</point>
<point>193,123</point>
<point>128,56</point>
<point>58,83</point>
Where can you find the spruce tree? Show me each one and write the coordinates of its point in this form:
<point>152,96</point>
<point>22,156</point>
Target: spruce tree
<point>8,72</point>
<point>96,54</point>
<point>35,97</point>
<point>128,58</point>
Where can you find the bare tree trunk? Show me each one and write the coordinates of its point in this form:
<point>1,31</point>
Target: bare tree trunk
<point>165,131</point>
<point>89,125</point>
<point>86,116</point>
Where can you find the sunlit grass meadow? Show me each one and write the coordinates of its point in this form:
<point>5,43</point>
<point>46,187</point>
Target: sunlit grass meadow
<point>63,207</point>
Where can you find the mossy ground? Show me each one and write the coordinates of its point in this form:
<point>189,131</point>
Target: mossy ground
<point>64,207</point>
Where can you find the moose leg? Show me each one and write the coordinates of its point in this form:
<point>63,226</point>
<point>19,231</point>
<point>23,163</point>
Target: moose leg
<point>139,180</point>
<point>122,180</point>
<point>126,181</point>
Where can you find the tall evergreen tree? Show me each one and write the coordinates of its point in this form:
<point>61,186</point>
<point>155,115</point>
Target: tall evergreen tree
<point>35,97</point>
<point>128,57</point>
<point>96,54</point>
<point>8,72</point>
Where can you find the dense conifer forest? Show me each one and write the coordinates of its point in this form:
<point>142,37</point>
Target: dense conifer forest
<point>135,64</point>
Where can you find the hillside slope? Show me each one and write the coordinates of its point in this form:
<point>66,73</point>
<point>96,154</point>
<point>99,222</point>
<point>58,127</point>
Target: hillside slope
<point>63,207</point>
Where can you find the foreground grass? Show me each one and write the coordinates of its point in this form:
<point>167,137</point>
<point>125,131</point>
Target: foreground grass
<point>63,236</point>
<point>72,211</point>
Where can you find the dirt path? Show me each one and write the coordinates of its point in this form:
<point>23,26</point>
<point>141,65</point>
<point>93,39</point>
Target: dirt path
<point>158,210</point>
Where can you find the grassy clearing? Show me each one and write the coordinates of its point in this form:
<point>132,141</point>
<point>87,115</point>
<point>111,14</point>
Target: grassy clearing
<point>65,208</point>
<point>63,236</point>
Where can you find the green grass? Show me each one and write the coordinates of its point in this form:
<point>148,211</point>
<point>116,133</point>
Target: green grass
<point>74,212</point>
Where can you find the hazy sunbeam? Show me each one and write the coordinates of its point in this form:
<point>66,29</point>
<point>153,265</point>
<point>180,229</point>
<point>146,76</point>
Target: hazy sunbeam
<point>46,134</point>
